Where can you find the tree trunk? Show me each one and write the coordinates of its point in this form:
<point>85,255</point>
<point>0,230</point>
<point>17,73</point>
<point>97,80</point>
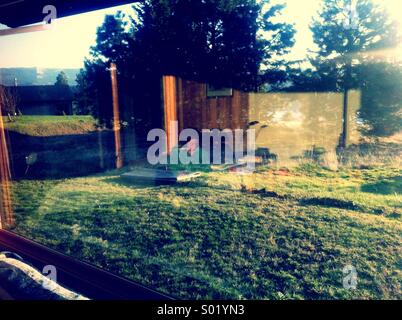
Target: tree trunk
<point>347,84</point>
<point>345,120</point>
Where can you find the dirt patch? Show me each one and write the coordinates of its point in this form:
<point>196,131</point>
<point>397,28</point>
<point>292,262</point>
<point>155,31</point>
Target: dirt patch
<point>329,202</point>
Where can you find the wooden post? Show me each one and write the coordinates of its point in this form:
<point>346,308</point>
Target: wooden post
<point>6,210</point>
<point>345,121</point>
<point>170,111</point>
<point>116,116</point>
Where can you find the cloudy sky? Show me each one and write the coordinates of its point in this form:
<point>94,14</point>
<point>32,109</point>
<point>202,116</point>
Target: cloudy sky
<point>68,42</point>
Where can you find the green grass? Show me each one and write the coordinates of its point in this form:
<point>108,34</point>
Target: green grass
<point>376,190</point>
<point>43,126</point>
<point>265,236</point>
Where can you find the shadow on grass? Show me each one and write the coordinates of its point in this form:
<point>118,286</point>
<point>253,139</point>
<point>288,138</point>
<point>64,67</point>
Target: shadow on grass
<point>388,186</point>
<point>140,183</point>
<point>331,203</point>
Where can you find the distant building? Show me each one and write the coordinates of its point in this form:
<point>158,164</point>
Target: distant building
<point>34,76</point>
<point>44,100</point>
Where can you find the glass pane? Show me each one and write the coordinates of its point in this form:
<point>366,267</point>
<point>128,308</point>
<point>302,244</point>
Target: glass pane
<point>212,150</point>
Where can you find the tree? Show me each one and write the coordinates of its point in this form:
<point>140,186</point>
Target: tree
<point>347,36</point>
<point>217,41</point>
<point>381,99</point>
<point>225,42</point>
<point>63,91</point>
<point>9,100</point>
<point>84,96</point>
<point>61,80</point>
<point>277,39</point>
<point>94,89</point>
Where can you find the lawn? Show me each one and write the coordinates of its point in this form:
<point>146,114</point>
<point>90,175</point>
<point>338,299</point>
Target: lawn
<point>271,235</point>
<point>44,126</point>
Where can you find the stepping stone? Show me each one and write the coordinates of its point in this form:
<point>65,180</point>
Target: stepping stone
<point>158,176</point>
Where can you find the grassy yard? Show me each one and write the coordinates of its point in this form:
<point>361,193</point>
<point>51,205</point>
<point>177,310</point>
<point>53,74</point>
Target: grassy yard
<point>272,235</point>
<point>43,126</point>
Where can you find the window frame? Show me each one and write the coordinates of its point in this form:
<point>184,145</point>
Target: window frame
<point>212,92</point>
<point>87,279</point>
<point>91,281</point>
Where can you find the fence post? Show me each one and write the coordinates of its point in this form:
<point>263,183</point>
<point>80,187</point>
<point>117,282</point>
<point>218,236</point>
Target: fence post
<point>116,116</point>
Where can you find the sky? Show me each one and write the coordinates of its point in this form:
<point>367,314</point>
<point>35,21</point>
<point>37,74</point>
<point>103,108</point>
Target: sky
<point>67,43</point>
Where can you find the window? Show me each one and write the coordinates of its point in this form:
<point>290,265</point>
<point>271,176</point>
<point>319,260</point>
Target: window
<point>213,91</point>
<point>113,150</point>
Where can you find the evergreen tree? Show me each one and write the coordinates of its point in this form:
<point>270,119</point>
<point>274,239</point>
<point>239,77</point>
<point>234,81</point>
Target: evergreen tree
<point>381,106</point>
<point>64,91</point>
<point>219,41</point>
<point>61,80</point>
<point>223,42</point>
<point>277,39</point>
<point>84,96</point>
<point>347,33</point>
